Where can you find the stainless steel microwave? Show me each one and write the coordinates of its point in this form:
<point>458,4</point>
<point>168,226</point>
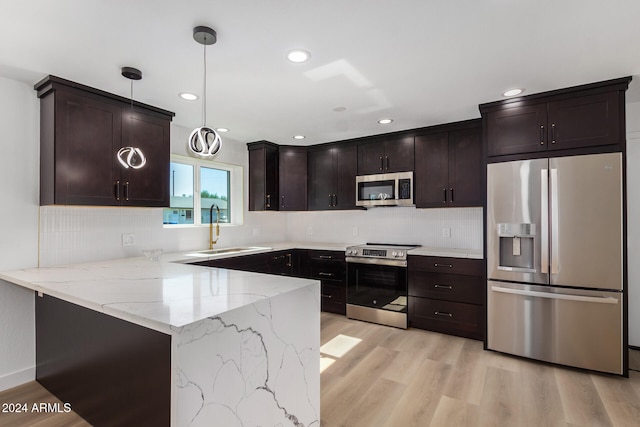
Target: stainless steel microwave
<point>387,189</point>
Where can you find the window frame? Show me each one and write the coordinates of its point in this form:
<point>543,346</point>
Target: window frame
<point>236,202</point>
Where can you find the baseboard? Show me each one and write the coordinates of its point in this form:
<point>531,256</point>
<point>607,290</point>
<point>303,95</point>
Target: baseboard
<point>17,378</point>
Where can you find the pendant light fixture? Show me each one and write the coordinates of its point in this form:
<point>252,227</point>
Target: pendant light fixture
<point>131,157</point>
<point>204,142</point>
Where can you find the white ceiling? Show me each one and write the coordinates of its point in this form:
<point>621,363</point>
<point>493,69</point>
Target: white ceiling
<point>420,62</point>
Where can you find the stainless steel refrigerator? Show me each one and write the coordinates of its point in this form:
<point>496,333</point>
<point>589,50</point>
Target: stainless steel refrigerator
<point>555,260</point>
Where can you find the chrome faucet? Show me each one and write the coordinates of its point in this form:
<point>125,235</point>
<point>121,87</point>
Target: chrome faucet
<point>211,241</point>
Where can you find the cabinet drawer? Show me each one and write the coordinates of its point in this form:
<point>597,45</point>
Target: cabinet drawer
<point>333,298</point>
<point>450,287</point>
<point>449,265</point>
<point>454,318</point>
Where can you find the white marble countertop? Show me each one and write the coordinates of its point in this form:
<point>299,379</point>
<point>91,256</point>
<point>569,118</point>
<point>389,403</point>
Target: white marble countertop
<point>161,295</point>
<point>168,294</point>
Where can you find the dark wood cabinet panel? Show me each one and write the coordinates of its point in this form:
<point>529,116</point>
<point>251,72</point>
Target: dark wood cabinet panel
<point>345,172</point>
<point>97,361</point>
<point>432,170</point>
<point>453,318</point>
<point>449,167</point>
<point>81,131</point>
<point>577,118</point>
<point>447,295</point>
<point>518,129</point>
<point>292,166</point>
<point>263,176</point>
<point>145,187</point>
<point>386,155</point>
<point>584,121</point>
<point>332,177</point>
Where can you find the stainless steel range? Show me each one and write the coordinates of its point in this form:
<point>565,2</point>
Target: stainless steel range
<point>377,283</point>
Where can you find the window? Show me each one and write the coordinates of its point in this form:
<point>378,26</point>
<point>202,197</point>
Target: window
<point>198,187</point>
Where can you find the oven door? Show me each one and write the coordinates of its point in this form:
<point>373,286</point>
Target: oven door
<point>377,293</point>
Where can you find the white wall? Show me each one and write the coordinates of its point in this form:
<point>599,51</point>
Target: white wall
<point>400,225</point>
<point>19,175</point>
<point>633,214</point>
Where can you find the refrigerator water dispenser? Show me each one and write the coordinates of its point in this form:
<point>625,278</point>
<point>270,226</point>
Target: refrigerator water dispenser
<point>516,252</point>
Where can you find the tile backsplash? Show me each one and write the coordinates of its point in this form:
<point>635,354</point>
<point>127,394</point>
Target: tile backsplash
<point>82,234</point>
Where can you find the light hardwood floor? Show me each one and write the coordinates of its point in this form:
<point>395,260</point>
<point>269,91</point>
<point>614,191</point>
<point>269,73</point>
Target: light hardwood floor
<point>402,378</point>
<point>419,378</point>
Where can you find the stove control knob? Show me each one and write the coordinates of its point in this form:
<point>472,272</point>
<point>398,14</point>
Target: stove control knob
<point>401,254</point>
<point>394,253</point>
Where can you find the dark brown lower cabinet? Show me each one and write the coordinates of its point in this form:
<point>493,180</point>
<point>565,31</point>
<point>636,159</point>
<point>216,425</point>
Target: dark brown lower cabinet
<point>111,372</point>
<point>327,266</point>
<point>331,269</point>
<point>447,295</point>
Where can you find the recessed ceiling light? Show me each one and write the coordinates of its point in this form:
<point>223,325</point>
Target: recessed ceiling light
<point>298,137</point>
<point>385,121</point>
<point>298,55</point>
<point>188,96</point>
<point>513,92</point>
<point>223,130</point>
<point>340,109</point>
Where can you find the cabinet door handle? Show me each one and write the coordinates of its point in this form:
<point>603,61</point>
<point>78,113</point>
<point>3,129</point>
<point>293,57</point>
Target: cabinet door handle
<point>289,260</point>
<point>444,192</point>
<point>381,163</point>
<point>326,296</point>
<point>443,265</point>
<point>387,159</point>
<point>282,205</point>
<point>275,258</point>
<point>553,133</point>
<point>323,274</point>
<point>126,190</point>
<point>451,189</point>
<point>330,200</point>
<point>449,287</point>
<point>542,135</point>
<point>335,200</point>
<point>268,200</point>
<point>116,190</point>
<point>442,313</point>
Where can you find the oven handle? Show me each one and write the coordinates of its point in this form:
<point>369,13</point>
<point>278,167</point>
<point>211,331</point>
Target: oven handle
<point>376,261</point>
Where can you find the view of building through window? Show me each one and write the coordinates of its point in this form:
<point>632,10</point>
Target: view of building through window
<point>213,186</point>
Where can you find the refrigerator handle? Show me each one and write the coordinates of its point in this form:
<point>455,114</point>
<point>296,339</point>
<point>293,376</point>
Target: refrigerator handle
<point>554,221</point>
<point>544,221</point>
<point>550,295</point>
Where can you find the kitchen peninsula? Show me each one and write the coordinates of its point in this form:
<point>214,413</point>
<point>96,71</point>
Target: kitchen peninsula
<point>141,342</point>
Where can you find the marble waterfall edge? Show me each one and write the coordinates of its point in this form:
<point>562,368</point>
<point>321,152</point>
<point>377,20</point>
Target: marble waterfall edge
<point>255,365</point>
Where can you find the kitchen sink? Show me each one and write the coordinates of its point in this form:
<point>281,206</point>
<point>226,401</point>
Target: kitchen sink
<point>226,251</point>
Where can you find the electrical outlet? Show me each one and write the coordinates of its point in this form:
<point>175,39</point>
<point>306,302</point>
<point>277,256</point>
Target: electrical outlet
<point>446,232</point>
<point>355,231</point>
<point>309,231</point>
<point>128,239</point>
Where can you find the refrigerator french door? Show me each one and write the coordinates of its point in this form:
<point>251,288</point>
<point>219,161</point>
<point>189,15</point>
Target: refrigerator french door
<point>555,260</point>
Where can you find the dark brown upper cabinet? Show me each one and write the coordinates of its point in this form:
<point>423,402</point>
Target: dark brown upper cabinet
<point>292,178</point>
<point>385,154</point>
<point>263,176</point>
<point>277,177</point>
<point>332,177</point>
<point>81,131</point>
<point>580,117</point>
<point>448,166</point>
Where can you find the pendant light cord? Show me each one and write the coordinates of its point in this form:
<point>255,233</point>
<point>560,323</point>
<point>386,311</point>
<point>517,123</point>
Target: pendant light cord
<point>204,95</point>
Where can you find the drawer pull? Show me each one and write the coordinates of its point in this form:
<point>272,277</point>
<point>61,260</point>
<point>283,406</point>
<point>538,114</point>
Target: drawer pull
<point>442,313</point>
<point>449,287</point>
<point>325,274</point>
<point>325,257</point>
<point>326,296</point>
<point>443,265</point>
